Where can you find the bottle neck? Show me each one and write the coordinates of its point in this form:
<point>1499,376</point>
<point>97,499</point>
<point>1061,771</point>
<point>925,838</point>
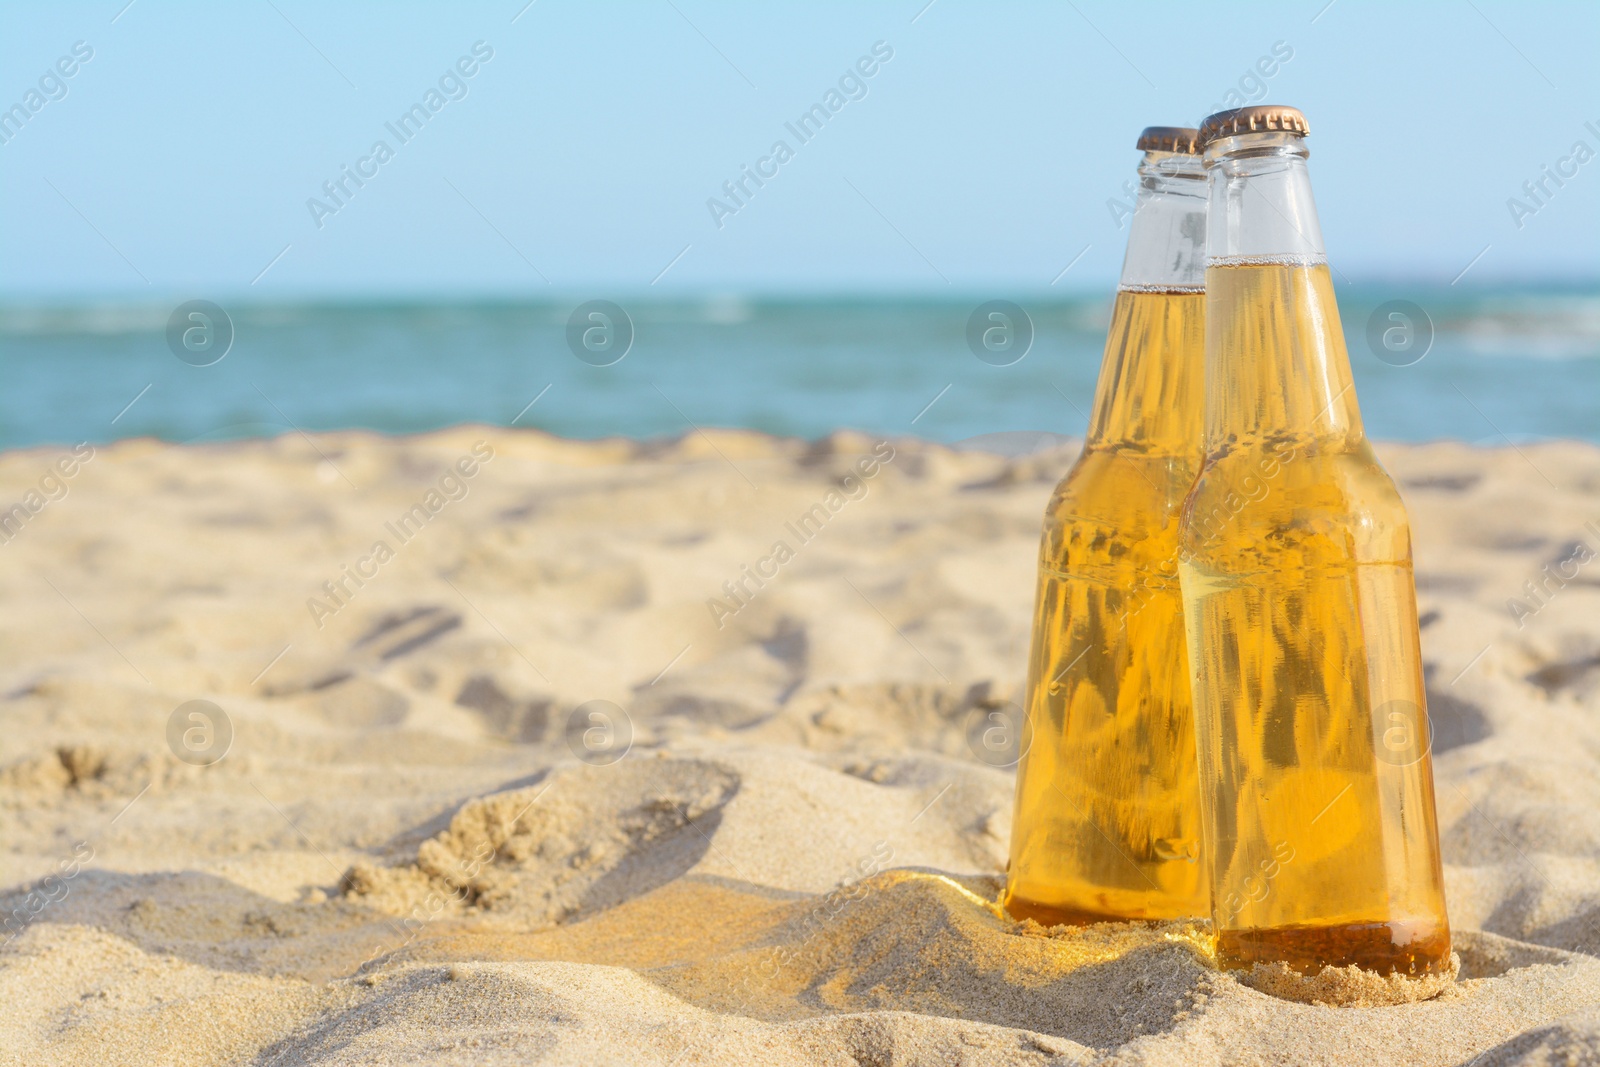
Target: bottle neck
<point>1276,365</point>
<point>1149,396</point>
<point>1167,239</point>
<point>1261,207</point>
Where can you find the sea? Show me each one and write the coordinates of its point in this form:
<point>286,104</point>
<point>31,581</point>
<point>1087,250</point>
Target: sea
<point>1485,366</point>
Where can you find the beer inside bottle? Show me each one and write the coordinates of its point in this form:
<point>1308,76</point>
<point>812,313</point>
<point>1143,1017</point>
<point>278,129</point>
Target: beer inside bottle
<point>1107,816</point>
<point>1316,779</point>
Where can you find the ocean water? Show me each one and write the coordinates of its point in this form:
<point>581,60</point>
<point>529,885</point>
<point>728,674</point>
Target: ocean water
<point>1518,365</point>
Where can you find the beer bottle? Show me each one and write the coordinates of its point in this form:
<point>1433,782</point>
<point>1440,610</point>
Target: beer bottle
<point>1107,815</point>
<point>1321,841</point>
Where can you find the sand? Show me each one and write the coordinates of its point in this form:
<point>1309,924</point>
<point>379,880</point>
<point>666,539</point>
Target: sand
<point>528,794</point>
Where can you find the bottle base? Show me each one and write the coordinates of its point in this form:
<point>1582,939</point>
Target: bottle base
<point>1061,915</point>
<point>1382,948</point>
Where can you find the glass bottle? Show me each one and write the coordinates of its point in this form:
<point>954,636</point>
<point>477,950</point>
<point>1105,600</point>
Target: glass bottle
<point>1321,841</point>
<point>1107,805</point>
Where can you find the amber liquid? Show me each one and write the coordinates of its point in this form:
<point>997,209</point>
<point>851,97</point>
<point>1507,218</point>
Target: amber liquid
<point>1309,705</point>
<point>1107,822</point>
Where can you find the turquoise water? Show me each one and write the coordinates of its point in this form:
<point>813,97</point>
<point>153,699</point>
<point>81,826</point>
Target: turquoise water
<point>1520,364</point>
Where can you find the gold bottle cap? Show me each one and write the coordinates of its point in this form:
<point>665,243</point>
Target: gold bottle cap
<point>1180,139</point>
<point>1258,118</point>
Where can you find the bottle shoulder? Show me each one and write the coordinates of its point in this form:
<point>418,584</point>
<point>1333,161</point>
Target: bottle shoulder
<point>1117,508</point>
<point>1337,502</point>
<point>1123,487</point>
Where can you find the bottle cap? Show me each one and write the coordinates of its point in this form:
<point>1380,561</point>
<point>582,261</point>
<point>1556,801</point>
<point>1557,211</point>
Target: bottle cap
<point>1180,139</point>
<point>1258,118</point>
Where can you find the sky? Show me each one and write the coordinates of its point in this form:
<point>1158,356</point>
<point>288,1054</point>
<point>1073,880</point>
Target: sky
<point>187,154</point>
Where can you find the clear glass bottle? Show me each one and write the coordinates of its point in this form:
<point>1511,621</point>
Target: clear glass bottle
<point>1107,806</point>
<point>1316,780</point>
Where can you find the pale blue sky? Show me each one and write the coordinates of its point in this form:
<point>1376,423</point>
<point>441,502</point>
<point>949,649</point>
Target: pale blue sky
<point>581,159</point>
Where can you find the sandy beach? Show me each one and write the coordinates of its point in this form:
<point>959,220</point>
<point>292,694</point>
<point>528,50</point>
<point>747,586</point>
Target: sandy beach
<point>517,749</point>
